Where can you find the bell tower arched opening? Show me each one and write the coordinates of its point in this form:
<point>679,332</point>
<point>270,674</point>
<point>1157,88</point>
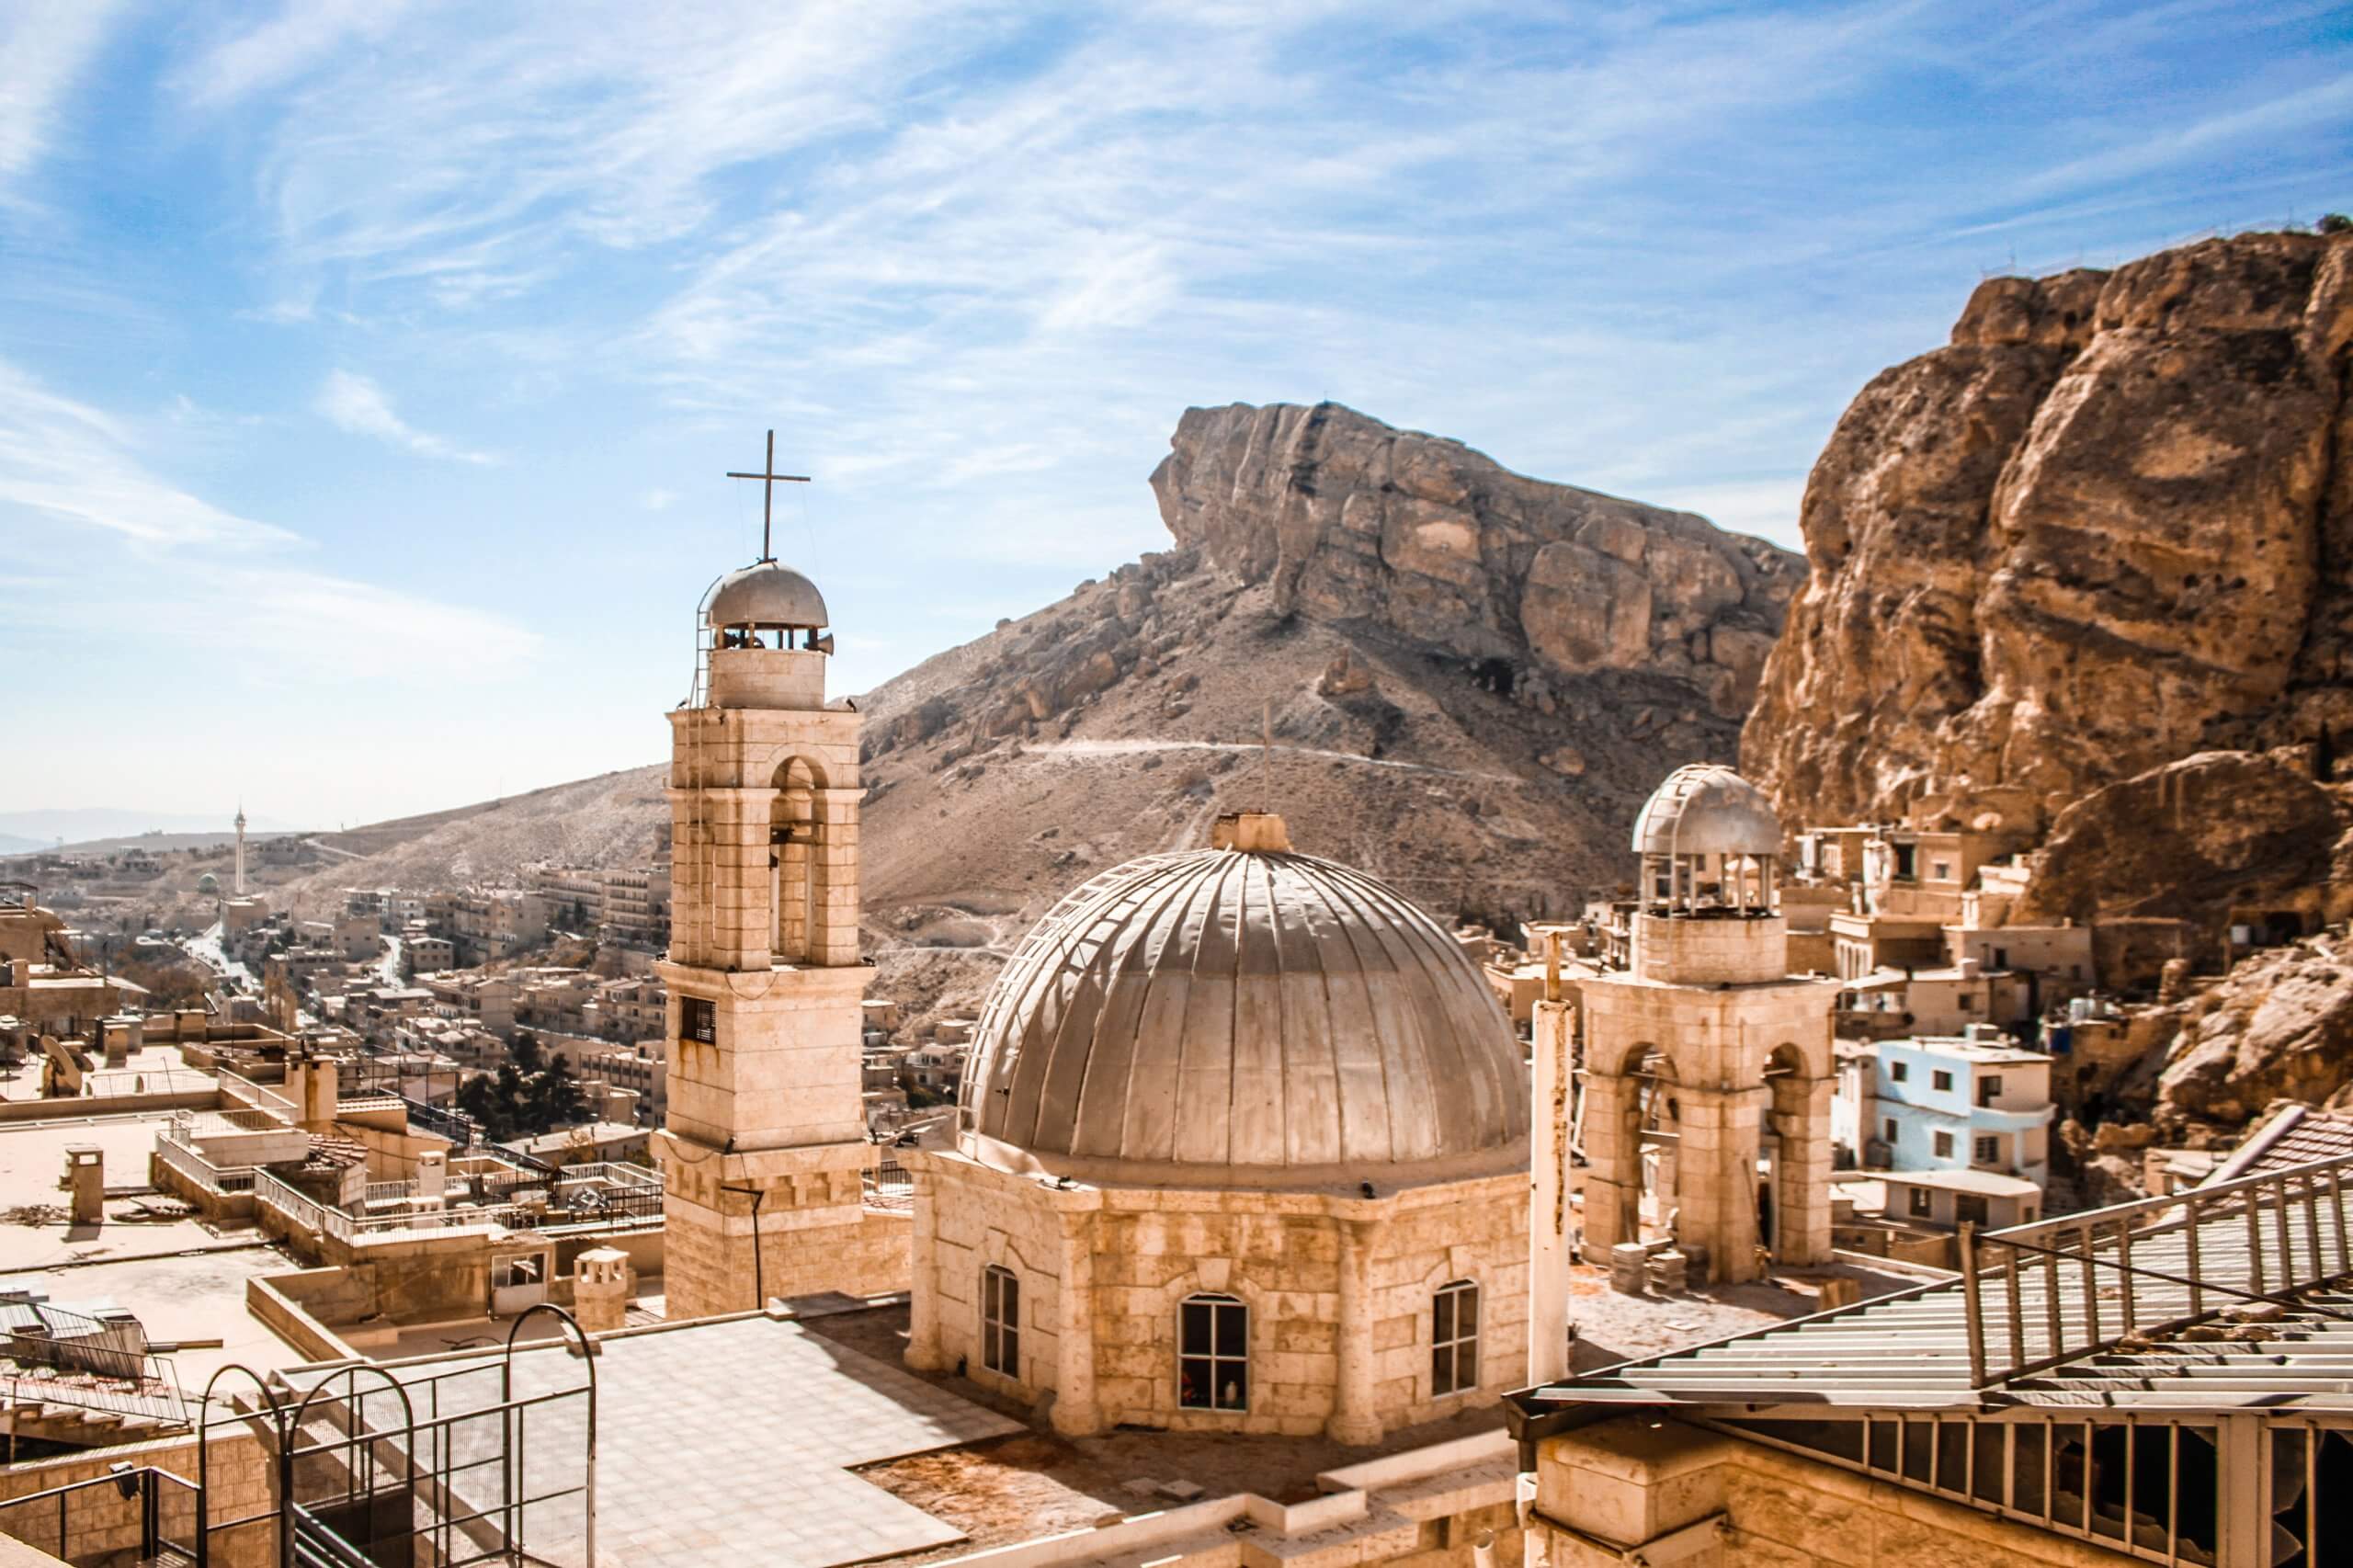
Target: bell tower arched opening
<point>796,834</point>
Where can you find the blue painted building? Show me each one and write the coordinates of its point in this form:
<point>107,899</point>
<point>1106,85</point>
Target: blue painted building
<point>1977,1101</point>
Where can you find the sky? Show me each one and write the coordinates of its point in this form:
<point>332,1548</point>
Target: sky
<point>368,369</point>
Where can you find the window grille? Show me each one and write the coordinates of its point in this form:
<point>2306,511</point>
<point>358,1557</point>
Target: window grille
<point>699,1019</point>
<point>1454,1338</point>
<point>1213,1354</point>
<point>1001,1321</point>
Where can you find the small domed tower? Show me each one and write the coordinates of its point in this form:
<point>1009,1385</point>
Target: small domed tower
<point>1708,1066</point>
<point>766,1143</point>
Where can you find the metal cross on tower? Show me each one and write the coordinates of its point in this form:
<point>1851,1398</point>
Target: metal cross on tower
<point>770,479</point>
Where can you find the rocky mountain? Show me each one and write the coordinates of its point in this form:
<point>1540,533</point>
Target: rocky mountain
<point>2108,526</point>
<point>2084,574</point>
<point>1459,678</point>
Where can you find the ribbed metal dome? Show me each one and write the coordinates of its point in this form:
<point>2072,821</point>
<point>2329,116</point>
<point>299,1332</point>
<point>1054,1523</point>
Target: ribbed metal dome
<point>1704,808</point>
<point>1234,1019</point>
<point>767,592</point>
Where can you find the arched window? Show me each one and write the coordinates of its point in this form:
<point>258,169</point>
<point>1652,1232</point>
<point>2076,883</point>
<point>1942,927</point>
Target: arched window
<point>1454,1338</point>
<point>1000,1321</point>
<point>1213,1354</point>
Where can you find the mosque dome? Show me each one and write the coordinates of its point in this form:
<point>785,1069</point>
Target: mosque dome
<point>767,592</point>
<point>1704,808</point>
<point>1245,1017</point>
<point>207,883</point>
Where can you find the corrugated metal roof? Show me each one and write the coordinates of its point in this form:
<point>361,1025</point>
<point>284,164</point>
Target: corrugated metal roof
<point>2297,1136</point>
<point>1912,1351</point>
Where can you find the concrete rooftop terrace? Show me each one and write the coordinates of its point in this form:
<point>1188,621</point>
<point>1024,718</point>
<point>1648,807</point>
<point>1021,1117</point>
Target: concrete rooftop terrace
<point>185,1278</point>
<point>730,1439</point>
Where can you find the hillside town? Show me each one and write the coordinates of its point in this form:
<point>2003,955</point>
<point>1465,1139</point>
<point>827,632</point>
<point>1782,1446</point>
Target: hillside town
<point>1814,1158</point>
<point>1418,1015</point>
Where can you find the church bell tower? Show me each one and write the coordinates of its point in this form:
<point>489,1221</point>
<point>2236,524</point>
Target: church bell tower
<point>765,1148</point>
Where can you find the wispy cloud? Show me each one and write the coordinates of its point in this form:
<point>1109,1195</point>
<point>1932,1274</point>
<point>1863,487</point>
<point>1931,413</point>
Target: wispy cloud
<point>145,550</point>
<point>354,402</point>
<point>70,462</point>
<point>2286,115</point>
<point>45,46</point>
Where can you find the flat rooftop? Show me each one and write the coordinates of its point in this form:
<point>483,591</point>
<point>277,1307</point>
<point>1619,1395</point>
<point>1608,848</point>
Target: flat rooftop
<point>184,1277</point>
<point>724,1440</point>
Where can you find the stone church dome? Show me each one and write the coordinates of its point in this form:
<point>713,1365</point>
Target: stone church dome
<point>1243,1018</point>
<point>767,592</point>
<point>1704,808</point>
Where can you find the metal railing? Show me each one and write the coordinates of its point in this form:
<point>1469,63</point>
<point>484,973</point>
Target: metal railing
<point>76,1361</point>
<point>458,1129</point>
<point>254,1094</point>
<point>136,1506</point>
<point>2036,1295</point>
<point>617,1205</point>
<point>222,1179</point>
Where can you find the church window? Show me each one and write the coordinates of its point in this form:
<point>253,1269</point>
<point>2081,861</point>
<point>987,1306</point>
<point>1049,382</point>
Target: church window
<point>699,1019</point>
<point>1001,1321</point>
<point>1213,1354</point>
<point>1454,1338</point>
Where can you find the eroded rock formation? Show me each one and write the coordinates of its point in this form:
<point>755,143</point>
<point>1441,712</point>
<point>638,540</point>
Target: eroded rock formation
<point>1349,520</point>
<point>2110,525</point>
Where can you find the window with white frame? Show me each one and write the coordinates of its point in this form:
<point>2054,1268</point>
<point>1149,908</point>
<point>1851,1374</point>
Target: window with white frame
<point>1213,1353</point>
<point>1941,1082</point>
<point>1001,1321</point>
<point>1454,1338</point>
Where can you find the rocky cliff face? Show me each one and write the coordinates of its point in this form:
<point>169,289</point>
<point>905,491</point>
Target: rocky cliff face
<point>2110,525</point>
<point>1465,681</point>
<point>1350,522</point>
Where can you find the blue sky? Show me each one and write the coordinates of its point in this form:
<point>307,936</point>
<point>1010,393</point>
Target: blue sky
<point>367,369</point>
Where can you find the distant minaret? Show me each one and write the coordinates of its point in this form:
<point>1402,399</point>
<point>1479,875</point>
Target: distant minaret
<point>240,849</point>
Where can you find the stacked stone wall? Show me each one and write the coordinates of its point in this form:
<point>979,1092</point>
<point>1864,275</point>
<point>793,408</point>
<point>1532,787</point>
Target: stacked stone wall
<point>1288,1256</point>
<point>102,1525</point>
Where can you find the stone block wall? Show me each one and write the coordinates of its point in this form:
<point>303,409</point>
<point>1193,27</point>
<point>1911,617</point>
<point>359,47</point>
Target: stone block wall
<point>1628,1482</point>
<point>1699,951</point>
<point>100,1523</point>
<point>1339,1291</point>
<point>708,1265</point>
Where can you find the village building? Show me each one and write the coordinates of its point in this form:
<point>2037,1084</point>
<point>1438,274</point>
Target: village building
<point>2152,1381</point>
<point>1970,1101</point>
<point>1243,1146</point>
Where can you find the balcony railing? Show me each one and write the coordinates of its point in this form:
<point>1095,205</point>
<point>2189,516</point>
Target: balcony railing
<point>199,1170</point>
<point>2037,1295</point>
